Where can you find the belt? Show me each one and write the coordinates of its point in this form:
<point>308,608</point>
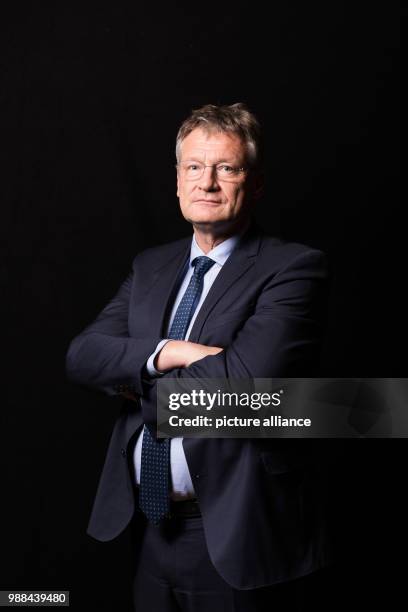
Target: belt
<point>184,508</point>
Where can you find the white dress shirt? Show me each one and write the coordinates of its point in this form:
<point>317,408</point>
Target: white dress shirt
<point>181,483</point>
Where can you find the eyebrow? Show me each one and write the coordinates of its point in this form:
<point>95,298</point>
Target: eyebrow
<point>220,161</point>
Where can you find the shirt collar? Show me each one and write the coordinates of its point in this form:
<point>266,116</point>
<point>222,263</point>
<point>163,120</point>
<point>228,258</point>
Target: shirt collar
<point>219,254</point>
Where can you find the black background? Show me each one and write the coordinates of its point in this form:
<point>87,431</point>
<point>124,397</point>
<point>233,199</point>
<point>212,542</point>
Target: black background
<point>91,100</point>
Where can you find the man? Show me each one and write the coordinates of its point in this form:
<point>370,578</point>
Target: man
<point>218,524</point>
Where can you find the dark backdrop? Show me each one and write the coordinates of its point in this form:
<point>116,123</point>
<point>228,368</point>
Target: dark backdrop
<point>91,101</point>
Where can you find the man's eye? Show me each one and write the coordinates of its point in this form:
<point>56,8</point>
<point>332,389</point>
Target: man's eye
<point>193,167</point>
<point>226,169</point>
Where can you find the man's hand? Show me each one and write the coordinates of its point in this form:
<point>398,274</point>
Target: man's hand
<point>178,354</point>
<point>181,354</point>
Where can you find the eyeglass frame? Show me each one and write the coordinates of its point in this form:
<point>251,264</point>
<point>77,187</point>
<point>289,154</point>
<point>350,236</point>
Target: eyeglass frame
<point>236,169</point>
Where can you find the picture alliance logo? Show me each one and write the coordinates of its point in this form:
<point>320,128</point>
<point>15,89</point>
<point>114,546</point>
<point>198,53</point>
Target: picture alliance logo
<point>204,399</point>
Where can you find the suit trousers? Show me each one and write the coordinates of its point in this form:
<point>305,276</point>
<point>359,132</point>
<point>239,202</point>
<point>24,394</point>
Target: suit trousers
<point>174,573</point>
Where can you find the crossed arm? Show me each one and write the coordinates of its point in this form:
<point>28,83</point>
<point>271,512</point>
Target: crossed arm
<point>278,339</point>
<point>104,357</point>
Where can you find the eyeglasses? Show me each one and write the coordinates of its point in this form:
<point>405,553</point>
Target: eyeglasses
<point>192,171</point>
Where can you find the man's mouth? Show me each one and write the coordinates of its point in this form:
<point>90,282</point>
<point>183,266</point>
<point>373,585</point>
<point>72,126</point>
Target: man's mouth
<point>207,201</point>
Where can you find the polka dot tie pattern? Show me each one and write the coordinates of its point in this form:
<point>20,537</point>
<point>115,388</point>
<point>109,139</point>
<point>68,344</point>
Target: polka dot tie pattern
<point>155,466</point>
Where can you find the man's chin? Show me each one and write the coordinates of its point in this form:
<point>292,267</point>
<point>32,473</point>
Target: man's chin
<point>220,227</point>
<point>209,224</point>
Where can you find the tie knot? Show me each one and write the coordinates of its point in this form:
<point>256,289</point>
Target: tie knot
<point>202,265</point>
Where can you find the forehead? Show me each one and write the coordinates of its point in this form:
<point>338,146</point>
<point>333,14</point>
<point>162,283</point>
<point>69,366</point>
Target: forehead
<point>207,145</point>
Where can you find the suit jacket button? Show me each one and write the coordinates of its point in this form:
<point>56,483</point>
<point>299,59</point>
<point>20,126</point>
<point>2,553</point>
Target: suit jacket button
<point>122,450</point>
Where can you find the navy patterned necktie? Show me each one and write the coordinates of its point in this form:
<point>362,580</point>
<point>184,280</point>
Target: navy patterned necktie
<point>155,465</point>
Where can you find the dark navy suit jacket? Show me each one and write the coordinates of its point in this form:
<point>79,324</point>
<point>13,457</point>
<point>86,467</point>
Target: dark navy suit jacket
<point>262,501</point>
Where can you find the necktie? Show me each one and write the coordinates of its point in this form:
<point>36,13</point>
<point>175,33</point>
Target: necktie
<point>155,465</point>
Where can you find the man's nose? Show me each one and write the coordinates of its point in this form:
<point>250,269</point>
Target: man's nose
<point>208,180</point>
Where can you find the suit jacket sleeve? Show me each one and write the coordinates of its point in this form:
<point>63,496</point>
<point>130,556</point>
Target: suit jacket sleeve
<point>103,356</point>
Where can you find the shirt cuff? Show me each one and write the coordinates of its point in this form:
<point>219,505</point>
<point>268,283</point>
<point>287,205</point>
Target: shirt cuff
<point>151,370</point>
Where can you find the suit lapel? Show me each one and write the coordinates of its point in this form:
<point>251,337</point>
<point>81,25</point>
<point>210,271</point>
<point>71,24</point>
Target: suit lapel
<point>164,285</point>
<point>241,259</point>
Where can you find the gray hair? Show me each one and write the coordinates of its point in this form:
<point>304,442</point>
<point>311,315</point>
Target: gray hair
<point>234,118</point>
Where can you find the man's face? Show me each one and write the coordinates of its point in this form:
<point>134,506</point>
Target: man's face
<point>210,202</point>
